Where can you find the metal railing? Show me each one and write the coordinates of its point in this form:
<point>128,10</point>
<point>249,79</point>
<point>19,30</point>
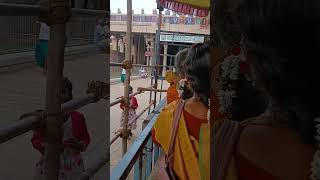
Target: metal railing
<point>134,155</point>
<point>26,124</point>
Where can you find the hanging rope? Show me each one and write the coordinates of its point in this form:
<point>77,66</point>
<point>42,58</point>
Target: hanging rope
<point>99,89</point>
<point>41,116</point>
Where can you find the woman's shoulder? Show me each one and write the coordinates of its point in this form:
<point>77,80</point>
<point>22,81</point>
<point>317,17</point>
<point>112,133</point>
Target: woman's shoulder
<point>169,107</point>
<point>260,142</point>
<point>166,113</point>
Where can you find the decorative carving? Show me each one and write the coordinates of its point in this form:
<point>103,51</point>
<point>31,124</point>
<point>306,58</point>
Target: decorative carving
<point>154,11</point>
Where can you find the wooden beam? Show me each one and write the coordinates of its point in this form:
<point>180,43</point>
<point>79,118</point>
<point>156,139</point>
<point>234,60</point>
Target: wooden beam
<point>10,9</point>
<point>128,74</point>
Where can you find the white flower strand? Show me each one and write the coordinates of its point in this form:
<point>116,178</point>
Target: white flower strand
<point>230,67</point>
<point>225,99</point>
<point>315,164</point>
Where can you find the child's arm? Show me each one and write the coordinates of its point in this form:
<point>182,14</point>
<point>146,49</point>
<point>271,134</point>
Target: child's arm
<point>37,142</point>
<point>134,103</point>
<point>122,105</point>
<point>79,130</point>
<point>84,134</point>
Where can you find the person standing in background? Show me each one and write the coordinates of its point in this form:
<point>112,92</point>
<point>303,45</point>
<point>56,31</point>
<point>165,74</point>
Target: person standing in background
<point>172,92</point>
<point>123,76</point>
<point>99,35</point>
<point>41,51</point>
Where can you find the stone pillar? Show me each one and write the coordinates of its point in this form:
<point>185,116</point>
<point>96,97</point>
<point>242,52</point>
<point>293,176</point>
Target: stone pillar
<point>114,49</point>
<point>147,45</point>
<point>165,52</point>
<point>152,47</point>
<point>114,42</point>
<point>149,57</point>
<point>121,48</point>
<point>121,45</point>
<point>134,49</point>
<point>142,49</point>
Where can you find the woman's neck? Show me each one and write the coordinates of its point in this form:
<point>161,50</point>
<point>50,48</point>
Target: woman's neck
<point>196,107</point>
<point>276,116</point>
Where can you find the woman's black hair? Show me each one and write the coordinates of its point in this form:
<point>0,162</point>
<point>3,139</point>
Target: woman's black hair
<point>249,101</point>
<point>282,39</point>
<point>186,93</point>
<point>181,57</point>
<point>180,60</point>
<point>197,70</point>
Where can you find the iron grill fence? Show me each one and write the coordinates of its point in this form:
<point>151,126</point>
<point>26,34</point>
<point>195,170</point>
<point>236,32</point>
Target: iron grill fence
<point>20,33</point>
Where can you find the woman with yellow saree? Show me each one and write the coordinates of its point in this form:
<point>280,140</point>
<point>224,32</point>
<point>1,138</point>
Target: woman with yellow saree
<point>191,149</point>
<point>172,92</point>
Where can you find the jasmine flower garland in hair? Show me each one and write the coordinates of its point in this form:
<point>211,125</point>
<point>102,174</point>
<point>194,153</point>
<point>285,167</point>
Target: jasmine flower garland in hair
<point>225,99</point>
<point>230,67</point>
<point>229,71</point>
<point>315,164</point>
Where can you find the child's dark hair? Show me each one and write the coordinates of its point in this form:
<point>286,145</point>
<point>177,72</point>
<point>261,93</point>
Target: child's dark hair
<point>130,89</point>
<point>67,85</point>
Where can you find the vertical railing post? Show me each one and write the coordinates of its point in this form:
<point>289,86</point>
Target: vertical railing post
<point>161,87</point>
<point>127,66</point>
<point>143,171</point>
<point>60,14</point>
<point>138,168</point>
<point>156,152</point>
<point>158,32</point>
<point>148,150</point>
<point>150,96</point>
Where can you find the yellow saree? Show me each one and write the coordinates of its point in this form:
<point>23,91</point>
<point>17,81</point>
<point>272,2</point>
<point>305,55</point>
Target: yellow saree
<point>187,149</point>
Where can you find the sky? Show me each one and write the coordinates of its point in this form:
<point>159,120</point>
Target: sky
<point>137,5</point>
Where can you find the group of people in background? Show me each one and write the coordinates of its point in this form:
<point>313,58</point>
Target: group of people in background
<point>101,33</point>
<point>189,90</point>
